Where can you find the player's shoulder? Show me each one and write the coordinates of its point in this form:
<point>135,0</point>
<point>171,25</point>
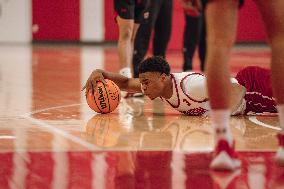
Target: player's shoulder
<point>185,78</point>
<point>185,75</point>
<point>190,80</point>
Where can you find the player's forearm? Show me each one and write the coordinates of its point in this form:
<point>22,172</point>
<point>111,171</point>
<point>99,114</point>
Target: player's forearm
<point>124,83</point>
<point>119,79</point>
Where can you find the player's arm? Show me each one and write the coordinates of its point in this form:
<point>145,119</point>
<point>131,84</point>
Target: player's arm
<point>124,83</point>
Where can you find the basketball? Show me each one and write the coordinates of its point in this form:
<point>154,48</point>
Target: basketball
<point>106,97</point>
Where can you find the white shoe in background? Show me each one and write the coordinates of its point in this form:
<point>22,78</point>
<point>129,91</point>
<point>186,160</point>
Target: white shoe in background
<point>127,73</point>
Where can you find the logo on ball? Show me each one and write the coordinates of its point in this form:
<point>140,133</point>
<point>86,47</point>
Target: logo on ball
<point>101,98</point>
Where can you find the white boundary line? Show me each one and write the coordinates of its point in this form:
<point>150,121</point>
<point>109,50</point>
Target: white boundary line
<point>7,137</point>
<point>254,120</point>
<point>53,129</point>
<point>51,108</point>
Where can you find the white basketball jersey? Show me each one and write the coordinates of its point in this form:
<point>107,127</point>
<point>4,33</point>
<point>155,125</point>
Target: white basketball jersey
<point>189,93</point>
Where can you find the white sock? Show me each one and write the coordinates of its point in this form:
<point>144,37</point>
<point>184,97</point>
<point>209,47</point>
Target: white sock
<point>220,120</point>
<point>126,71</point>
<point>280,109</point>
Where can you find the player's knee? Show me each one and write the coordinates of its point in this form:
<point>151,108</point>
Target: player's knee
<point>126,33</point>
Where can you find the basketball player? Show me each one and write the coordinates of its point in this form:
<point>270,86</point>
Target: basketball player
<point>221,30</point>
<point>129,15</point>
<point>186,91</point>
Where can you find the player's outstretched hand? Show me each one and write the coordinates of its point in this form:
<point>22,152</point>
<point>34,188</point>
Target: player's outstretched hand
<point>91,84</point>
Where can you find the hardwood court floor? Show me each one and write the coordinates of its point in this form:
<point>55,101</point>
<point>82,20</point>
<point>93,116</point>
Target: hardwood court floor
<point>49,137</point>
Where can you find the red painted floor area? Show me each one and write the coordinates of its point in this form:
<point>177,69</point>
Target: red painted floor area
<point>144,169</point>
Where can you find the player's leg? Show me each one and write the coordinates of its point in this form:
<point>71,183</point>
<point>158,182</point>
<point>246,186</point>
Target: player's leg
<point>125,45</point>
<point>134,34</point>
<point>141,44</point>
<point>221,18</point>
<point>190,39</point>
<point>142,39</point>
<point>141,13</point>
<point>125,22</point>
<point>257,82</point>
<point>202,43</point>
<point>163,27</point>
<point>273,16</point>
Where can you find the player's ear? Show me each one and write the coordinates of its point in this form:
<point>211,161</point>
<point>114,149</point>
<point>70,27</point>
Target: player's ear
<point>163,77</point>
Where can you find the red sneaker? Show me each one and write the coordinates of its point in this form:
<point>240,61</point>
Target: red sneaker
<point>225,158</point>
<point>279,156</point>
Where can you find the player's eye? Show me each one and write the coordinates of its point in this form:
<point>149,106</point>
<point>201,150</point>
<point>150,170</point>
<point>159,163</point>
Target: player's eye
<point>145,83</point>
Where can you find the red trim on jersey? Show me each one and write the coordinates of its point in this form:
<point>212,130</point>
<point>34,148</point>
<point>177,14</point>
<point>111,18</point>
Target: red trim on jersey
<point>173,78</point>
<point>206,99</point>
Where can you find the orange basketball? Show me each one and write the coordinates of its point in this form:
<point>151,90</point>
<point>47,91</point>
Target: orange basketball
<point>106,97</point>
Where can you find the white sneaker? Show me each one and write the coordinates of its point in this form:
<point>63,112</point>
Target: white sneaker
<point>279,156</point>
<point>125,94</point>
<point>225,157</point>
<point>126,71</point>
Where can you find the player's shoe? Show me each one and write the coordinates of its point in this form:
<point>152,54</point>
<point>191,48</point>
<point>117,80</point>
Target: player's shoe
<point>279,157</point>
<point>225,157</point>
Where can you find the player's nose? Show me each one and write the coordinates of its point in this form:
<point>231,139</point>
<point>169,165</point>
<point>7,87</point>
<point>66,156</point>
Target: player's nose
<point>144,88</point>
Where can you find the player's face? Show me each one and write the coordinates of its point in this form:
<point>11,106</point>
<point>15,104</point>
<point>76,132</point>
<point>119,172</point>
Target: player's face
<point>152,84</point>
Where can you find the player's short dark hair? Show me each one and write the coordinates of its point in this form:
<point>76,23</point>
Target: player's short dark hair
<point>154,64</point>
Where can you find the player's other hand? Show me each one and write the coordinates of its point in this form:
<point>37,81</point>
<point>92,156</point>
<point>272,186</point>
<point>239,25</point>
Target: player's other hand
<point>91,84</point>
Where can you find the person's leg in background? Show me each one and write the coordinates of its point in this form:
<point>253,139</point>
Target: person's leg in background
<point>202,42</point>
<point>125,21</point>
<point>129,16</point>
<point>142,39</point>
<point>221,17</point>
<point>163,28</point>
<point>273,16</point>
<point>141,45</point>
<point>190,39</point>
<point>124,44</point>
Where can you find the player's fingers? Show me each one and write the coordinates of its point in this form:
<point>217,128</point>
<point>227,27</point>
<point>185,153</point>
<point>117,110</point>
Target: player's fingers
<point>103,81</point>
<point>84,87</point>
<point>87,87</point>
<point>93,87</point>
